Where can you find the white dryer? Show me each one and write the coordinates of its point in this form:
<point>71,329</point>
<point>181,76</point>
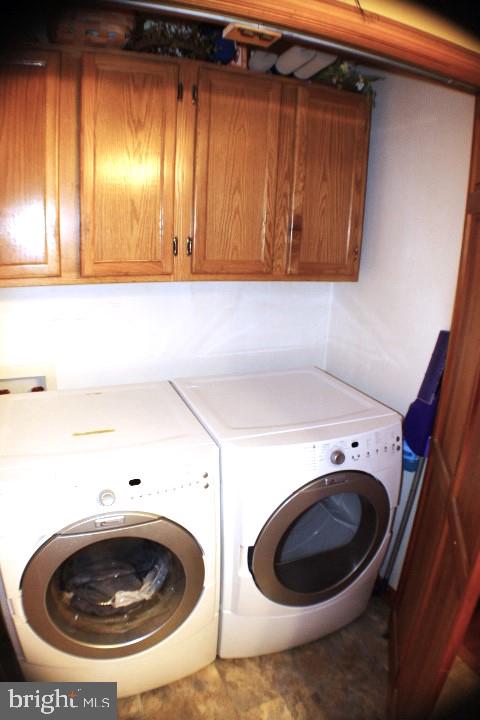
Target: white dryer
<point>109,530</point>
<point>310,478</point>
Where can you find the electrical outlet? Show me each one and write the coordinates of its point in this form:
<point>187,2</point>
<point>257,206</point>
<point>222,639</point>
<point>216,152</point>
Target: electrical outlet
<point>22,384</point>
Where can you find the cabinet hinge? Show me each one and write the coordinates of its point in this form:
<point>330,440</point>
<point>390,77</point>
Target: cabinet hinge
<point>180,91</point>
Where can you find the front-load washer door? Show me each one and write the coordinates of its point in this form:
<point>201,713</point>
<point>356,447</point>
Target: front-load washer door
<point>320,539</point>
<point>113,585</point>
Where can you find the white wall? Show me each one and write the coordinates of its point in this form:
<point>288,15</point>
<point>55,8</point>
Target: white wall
<point>383,328</point>
<point>95,335</point>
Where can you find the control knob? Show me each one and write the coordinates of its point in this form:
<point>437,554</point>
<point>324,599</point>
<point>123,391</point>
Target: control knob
<point>337,457</point>
<point>106,497</point>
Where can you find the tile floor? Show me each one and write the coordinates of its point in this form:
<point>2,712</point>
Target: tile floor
<point>340,677</point>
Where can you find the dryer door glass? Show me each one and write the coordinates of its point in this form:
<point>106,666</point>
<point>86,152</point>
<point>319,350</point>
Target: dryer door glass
<point>114,592</point>
<point>321,538</point>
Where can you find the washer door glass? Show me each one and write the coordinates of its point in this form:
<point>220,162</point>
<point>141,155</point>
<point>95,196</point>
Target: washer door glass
<point>114,592</point>
<point>321,538</point>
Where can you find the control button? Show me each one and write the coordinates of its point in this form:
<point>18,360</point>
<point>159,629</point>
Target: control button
<point>337,457</point>
<point>106,497</point>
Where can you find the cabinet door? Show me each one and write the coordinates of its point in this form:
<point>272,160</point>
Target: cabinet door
<point>328,183</point>
<point>128,124</point>
<point>235,173</point>
<point>29,91</point>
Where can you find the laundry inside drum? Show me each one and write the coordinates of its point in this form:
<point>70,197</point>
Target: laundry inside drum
<point>116,591</point>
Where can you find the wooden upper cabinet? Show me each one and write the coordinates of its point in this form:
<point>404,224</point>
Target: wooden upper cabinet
<point>236,150</point>
<point>29,236</point>
<point>243,176</point>
<point>128,131</point>
<point>328,181</point>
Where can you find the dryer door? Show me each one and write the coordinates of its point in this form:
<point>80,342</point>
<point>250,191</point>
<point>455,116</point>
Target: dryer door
<point>113,585</point>
<point>321,538</point>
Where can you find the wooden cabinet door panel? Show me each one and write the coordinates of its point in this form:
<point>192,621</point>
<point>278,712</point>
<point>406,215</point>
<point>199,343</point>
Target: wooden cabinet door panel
<point>29,92</point>
<point>129,109</point>
<point>235,173</point>
<point>464,364</point>
<point>415,694</point>
<point>430,539</point>
<point>329,177</point>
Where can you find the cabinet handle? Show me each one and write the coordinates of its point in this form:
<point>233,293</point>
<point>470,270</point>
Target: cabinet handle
<point>194,94</point>
<point>175,246</point>
<point>180,91</point>
<point>296,230</point>
<point>189,245</point>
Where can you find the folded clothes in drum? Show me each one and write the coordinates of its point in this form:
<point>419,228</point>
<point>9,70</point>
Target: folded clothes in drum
<point>96,581</point>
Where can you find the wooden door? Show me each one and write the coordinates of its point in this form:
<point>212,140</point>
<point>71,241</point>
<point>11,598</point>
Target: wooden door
<point>29,96</point>
<point>440,584</point>
<point>128,134</point>
<point>328,183</point>
<point>235,173</point>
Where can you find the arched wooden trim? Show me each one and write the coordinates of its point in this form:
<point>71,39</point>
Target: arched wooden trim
<point>366,31</point>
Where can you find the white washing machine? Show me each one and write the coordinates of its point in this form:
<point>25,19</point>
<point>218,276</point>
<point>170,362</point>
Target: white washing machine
<point>310,478</point>
<point>109,530</point>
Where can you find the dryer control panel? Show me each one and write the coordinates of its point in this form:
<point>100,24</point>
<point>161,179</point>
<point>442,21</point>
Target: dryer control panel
<point>372,448</point>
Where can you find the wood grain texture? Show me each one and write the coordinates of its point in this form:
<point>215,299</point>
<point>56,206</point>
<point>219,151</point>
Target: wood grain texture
<point>329,180</point>
<point>368,31</point>
<point>29,91</point>
<point>69,172</point>
<point>185,153</point>
<point>470,650</point>
<point>285,179</point>
<point>464,363</point>
<point>411,597</point>
<point>415,692</point>
<point>235,173</point>
<point>127,165</point>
